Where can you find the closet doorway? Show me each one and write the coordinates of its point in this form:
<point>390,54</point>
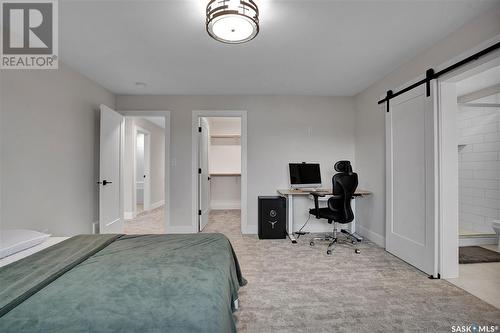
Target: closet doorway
<point>220,172</point>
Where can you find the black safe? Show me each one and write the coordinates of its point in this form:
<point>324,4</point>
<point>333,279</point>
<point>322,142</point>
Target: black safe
<point>272,217</point>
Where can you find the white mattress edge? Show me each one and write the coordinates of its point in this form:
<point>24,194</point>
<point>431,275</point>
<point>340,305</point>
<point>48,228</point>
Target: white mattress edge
<point>23,254</point>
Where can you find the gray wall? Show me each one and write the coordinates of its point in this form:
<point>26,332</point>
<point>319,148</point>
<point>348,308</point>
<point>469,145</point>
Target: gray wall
<point>49,155</point>
<point>370,123</point>
<point>278,133</point>
<point>1,154</point>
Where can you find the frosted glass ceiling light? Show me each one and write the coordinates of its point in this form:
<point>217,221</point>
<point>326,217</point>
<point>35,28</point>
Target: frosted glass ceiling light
<point>232,21</point>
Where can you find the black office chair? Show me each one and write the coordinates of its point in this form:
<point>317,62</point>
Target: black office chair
<point>339,210</point>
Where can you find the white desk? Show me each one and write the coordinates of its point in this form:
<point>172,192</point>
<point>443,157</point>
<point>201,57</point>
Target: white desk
<point>290,193</point>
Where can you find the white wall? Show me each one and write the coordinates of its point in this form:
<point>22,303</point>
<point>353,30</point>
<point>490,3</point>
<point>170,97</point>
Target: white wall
<point>224,125</point>
<point>225,192</point>
<point>479,166</point>
<point>225,156</point>
<point>224,152</point>
<point>281,129</point>
<point>50,138</point>
<point>370,125</point>
<point>128,169</point>
<point>157,165</point>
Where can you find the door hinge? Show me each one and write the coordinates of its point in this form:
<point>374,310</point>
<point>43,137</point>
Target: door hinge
<point>199,129</point>
<point>199,212</point>
<point>199,171</point>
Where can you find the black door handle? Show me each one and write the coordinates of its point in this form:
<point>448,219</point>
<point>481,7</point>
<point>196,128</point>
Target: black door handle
<point>104,182</point>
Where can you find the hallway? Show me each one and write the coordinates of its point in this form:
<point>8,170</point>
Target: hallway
<point>151,222</point>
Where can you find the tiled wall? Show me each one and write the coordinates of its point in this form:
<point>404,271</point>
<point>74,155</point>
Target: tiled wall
<point>479,166</point>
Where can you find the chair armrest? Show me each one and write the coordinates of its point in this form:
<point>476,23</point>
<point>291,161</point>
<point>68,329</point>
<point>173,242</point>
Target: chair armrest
<point>316,201</point>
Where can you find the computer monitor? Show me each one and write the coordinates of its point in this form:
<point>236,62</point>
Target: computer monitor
<point>304,175</point>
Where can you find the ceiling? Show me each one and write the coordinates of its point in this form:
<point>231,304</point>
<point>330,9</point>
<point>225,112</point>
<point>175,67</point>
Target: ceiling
<point>486,79</point>
<point>306,47</point>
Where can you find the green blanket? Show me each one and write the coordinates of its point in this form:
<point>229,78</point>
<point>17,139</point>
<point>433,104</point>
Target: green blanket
<point>143,283</point>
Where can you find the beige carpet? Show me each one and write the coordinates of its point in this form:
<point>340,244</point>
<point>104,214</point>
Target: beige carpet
<point>298,288</point>
<point>147,222</point>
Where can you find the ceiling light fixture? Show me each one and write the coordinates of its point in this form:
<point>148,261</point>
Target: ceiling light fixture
<point>232,21</point>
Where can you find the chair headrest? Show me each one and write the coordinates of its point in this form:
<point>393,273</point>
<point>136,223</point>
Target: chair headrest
<point>343,166</point>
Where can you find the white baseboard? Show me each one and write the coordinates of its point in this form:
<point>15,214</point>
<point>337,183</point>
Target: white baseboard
<point>133,215</point>
<point>473,241</point>
<point>95,227</point>
<point>218,205</point>
<point>250,230</point>
<point>129,215</point>
<point>183,229</point>
<point>157,204</point>
<point>372,236</point>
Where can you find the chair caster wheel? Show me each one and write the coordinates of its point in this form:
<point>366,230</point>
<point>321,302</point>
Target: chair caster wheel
<point>357,251</point>
<point>311,243</point>
<point>353,242</point>
<point>329,252</point>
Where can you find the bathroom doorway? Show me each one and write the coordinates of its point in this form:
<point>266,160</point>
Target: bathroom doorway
<point>476,117</point>
<point>145,173</point>
<point>142,172</point>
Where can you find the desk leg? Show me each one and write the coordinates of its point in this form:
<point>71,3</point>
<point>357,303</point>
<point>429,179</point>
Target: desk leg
<point>353,225</point>
<point>290,218</point>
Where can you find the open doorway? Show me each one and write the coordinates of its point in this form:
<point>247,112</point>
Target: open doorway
<point>471,104</point>
<point>142,162</point>
<point>220,174</point>
<point>144,175</point>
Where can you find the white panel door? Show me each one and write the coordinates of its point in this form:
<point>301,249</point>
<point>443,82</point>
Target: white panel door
<point>110,172</point>
<point>411,227</point>
<point>203,174</point>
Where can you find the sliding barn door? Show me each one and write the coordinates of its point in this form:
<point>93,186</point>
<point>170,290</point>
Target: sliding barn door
<point>411,227</point>
<point>110,172</point>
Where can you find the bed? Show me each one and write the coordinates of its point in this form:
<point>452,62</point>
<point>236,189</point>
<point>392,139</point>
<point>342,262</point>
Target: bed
<point>123,283</point>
